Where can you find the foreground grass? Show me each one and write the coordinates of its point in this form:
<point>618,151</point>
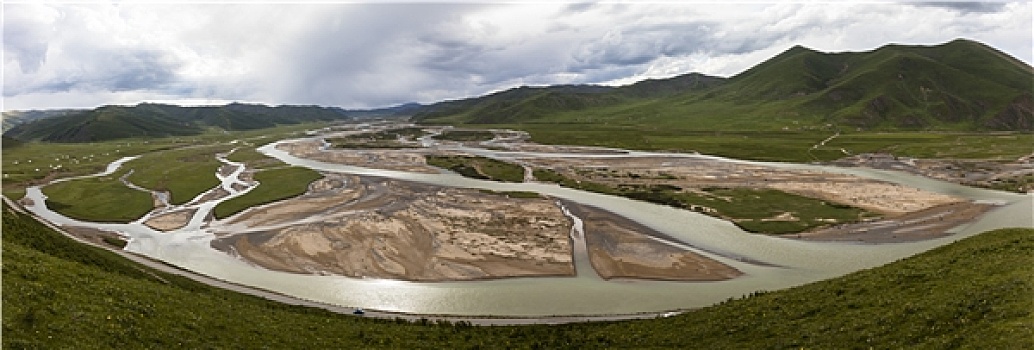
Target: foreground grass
<point>99,199</point>
<point>479,167</point>
<point>971,294</point>
<point>274,184</point>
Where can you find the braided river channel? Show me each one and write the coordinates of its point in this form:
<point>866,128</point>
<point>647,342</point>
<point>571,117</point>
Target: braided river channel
<point>768,263</point>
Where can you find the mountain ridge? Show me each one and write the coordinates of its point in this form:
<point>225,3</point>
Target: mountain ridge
<point>958,85</point>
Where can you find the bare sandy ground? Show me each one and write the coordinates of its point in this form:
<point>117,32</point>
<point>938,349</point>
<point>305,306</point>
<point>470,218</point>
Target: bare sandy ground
<point>172,220</point>
<point>622,248</point>
<point>369,227</point>
<point>881,197</point>
<point>886,199</point>
<point>389,159</point>
<point>915,226</point>
<point>978,173</point>
<point>92,235</point>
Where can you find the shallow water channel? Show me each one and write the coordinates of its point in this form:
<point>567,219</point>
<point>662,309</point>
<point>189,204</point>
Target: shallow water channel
<point>786,262</point>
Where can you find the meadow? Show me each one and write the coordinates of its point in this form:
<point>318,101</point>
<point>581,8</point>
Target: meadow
<point>274,184</point>
<point>98,199</point>
<point>479,167</point>
<point>782,145</point>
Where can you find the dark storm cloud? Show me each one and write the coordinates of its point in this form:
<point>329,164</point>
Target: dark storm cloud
<point>966,7</point>
<point>358,55</point>
<point>362,54</point>
<point>114,71</point>
<point>24,45</point>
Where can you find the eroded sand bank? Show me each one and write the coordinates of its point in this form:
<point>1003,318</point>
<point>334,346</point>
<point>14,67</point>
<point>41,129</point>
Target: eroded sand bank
<point>621,248</point>
<point>379,228</point>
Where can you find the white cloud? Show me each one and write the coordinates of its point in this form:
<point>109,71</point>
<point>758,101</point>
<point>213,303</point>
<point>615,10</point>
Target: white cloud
<point>368,54</point>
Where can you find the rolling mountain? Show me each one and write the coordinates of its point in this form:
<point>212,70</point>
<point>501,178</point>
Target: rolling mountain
<point>959,85</point>
<point>14,118</point>
<point>157,120</point>
<point>529,103</point>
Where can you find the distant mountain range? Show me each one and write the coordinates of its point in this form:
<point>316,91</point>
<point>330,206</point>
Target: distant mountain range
<point>158,120</point>
<point>961,85</point>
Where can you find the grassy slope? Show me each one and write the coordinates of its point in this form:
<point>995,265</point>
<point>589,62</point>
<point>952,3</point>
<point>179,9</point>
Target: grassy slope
<point>975,293</point>
<point>274,184</point>
<point>957,86</point>
<point>100,199</point>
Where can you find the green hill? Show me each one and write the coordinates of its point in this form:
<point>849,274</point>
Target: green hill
<point>957,86</point>
<point>975,293</point>
<point>524,104</point>
<point>159,120</point>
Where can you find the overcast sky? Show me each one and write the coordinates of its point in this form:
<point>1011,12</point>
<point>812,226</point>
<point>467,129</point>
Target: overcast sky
<point>362,54</point>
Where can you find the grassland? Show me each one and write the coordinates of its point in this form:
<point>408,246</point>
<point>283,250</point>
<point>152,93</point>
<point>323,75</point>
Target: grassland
<point>99,199</point>
<point>780,145</point>
<point>754,210</point>
<point>252,158</point>
<point>479,167</point>
<point>27,164</point>
<point>274,184</point>
<point>971,294</point>
<point>185,173</point>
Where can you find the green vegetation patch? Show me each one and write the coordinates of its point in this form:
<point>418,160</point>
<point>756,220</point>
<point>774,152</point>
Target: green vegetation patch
<point>274,184</point>
<point>62,294</point>
<point>754,210</point>
<point>466,135</point>
<point>253,159</point>
<point>513,194</point>
<point>782,145</point>
<point>185,172</point>
<point>391,138</point>
<point>98,199</point>
<point>477,167</point>
<point>32,163</point>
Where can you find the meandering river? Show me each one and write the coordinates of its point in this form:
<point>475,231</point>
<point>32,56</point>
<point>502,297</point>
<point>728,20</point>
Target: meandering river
<point>787,262</point>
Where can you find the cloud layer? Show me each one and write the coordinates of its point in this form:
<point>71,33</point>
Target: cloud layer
<point>359,55</point>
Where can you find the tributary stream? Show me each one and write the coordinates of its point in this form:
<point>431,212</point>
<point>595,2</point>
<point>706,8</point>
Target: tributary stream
<point>783,262</point>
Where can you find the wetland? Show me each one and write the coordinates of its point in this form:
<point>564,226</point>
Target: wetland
<point>579,231</point>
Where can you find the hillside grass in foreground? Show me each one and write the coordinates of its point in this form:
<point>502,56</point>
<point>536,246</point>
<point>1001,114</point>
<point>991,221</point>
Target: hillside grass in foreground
<point>98,199</point>
<point>971,294</point>
<point>274,184</point>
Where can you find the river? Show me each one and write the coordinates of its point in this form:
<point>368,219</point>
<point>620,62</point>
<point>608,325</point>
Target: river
<point>787,262</point>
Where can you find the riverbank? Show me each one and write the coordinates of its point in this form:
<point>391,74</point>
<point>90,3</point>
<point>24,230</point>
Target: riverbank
<point>378,228</point>
<point>52,286</point>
